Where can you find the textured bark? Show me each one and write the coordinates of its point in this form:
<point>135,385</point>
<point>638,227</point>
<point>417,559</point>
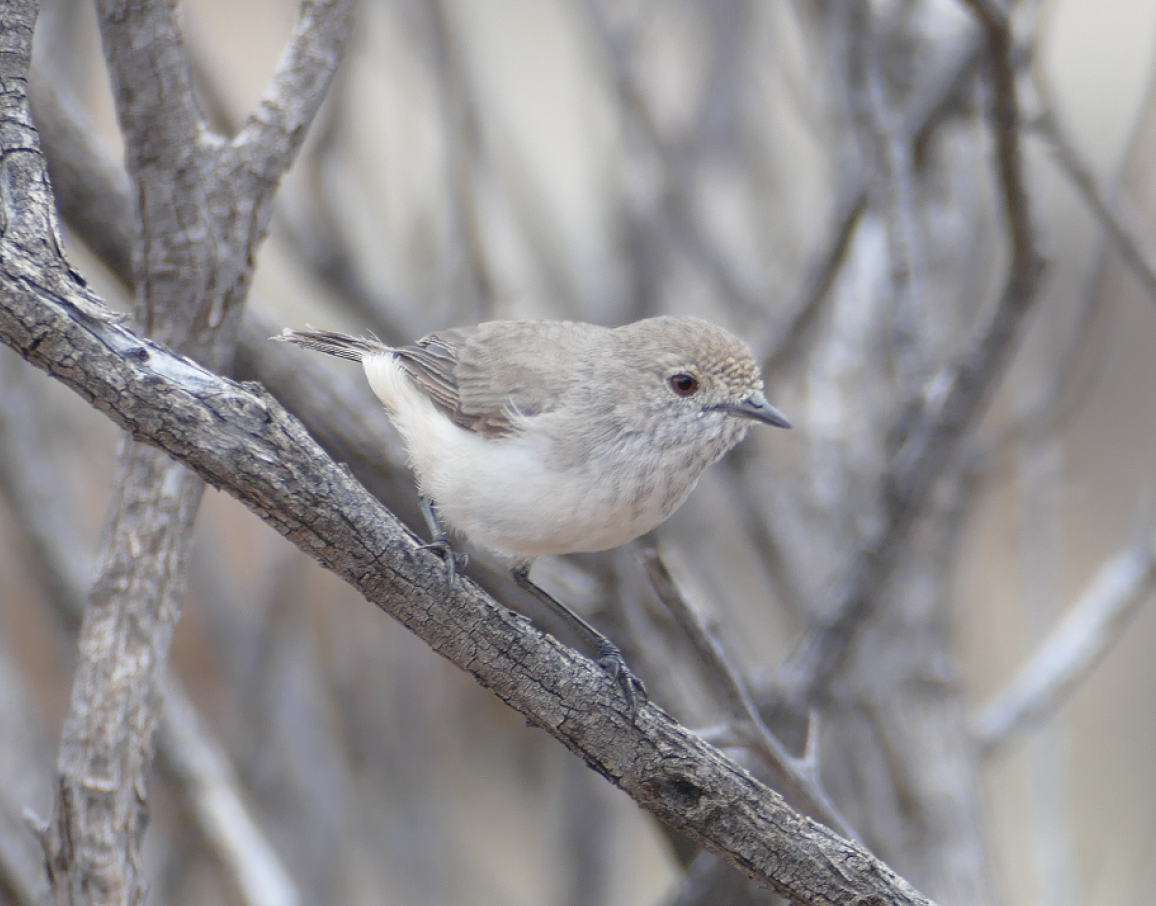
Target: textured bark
<point>107,742</point>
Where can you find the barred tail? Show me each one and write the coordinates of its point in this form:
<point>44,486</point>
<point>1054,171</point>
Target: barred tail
<point>339,344</point>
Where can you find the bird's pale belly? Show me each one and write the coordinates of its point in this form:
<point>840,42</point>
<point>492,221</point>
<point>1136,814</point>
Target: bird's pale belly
<point>524,510</point>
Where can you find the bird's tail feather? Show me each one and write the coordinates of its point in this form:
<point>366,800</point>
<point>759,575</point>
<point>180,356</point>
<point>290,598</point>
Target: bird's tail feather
<point>339,344</point>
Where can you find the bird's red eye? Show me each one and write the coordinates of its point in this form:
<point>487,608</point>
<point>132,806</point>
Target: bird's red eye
<point>683,384</point>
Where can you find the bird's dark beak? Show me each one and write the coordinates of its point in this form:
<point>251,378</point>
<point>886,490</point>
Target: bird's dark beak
<point>756,406</point>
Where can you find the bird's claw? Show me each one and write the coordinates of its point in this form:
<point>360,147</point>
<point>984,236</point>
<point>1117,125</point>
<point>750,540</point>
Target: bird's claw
<point>611,660</point>
<point>455,561</point>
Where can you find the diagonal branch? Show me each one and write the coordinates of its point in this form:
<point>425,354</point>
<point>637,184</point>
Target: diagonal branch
<point>1116,217</point>
<point>273,134</point>
<point>799,776</point>
<point>1074,647</point>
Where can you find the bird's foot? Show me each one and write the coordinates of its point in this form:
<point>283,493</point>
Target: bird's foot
<point>611,660</point>
<point>455,561</point>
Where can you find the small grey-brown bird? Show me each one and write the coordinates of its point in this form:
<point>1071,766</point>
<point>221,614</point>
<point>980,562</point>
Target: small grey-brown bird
<point>553,437</point>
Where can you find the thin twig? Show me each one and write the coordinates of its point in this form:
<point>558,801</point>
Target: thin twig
<point>800,775</point>
<point>1072,383</point>
<point>929,105</point>
<point>466,159</point>
<point>1116,217</point>
<point>1081,639</point>
<point>214,791</point>
<point>806,302</point>
<point>896,165</point>
<point>676,198</point>
<point>21,870</point>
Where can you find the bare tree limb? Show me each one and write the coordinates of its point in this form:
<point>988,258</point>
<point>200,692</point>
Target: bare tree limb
<point>1080,640</point>
<point>947,406</point>
<point>270,139</point>
<point>799,775</point>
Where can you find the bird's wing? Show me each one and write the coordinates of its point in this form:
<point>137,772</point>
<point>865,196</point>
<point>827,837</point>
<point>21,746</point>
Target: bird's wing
<point>431,362</point>
<point>487,376</point>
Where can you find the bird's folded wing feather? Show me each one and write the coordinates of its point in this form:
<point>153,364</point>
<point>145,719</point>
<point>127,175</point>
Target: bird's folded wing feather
<point>486,378</point>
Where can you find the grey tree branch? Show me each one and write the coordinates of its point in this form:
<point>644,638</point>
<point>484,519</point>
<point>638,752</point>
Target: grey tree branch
<point>947,406</point>
<point>268,143</point>
<point>1096,621</point>
<point>800,776</point>
<point>1113,213</point>
<point>106,749</point>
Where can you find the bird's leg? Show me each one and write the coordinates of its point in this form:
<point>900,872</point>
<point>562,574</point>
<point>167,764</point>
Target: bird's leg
<point>440,543</point>
<point>609,657</point>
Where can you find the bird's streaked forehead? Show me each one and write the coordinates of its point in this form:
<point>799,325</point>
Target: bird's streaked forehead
<point>733,366</point>
<point>699,345</point>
